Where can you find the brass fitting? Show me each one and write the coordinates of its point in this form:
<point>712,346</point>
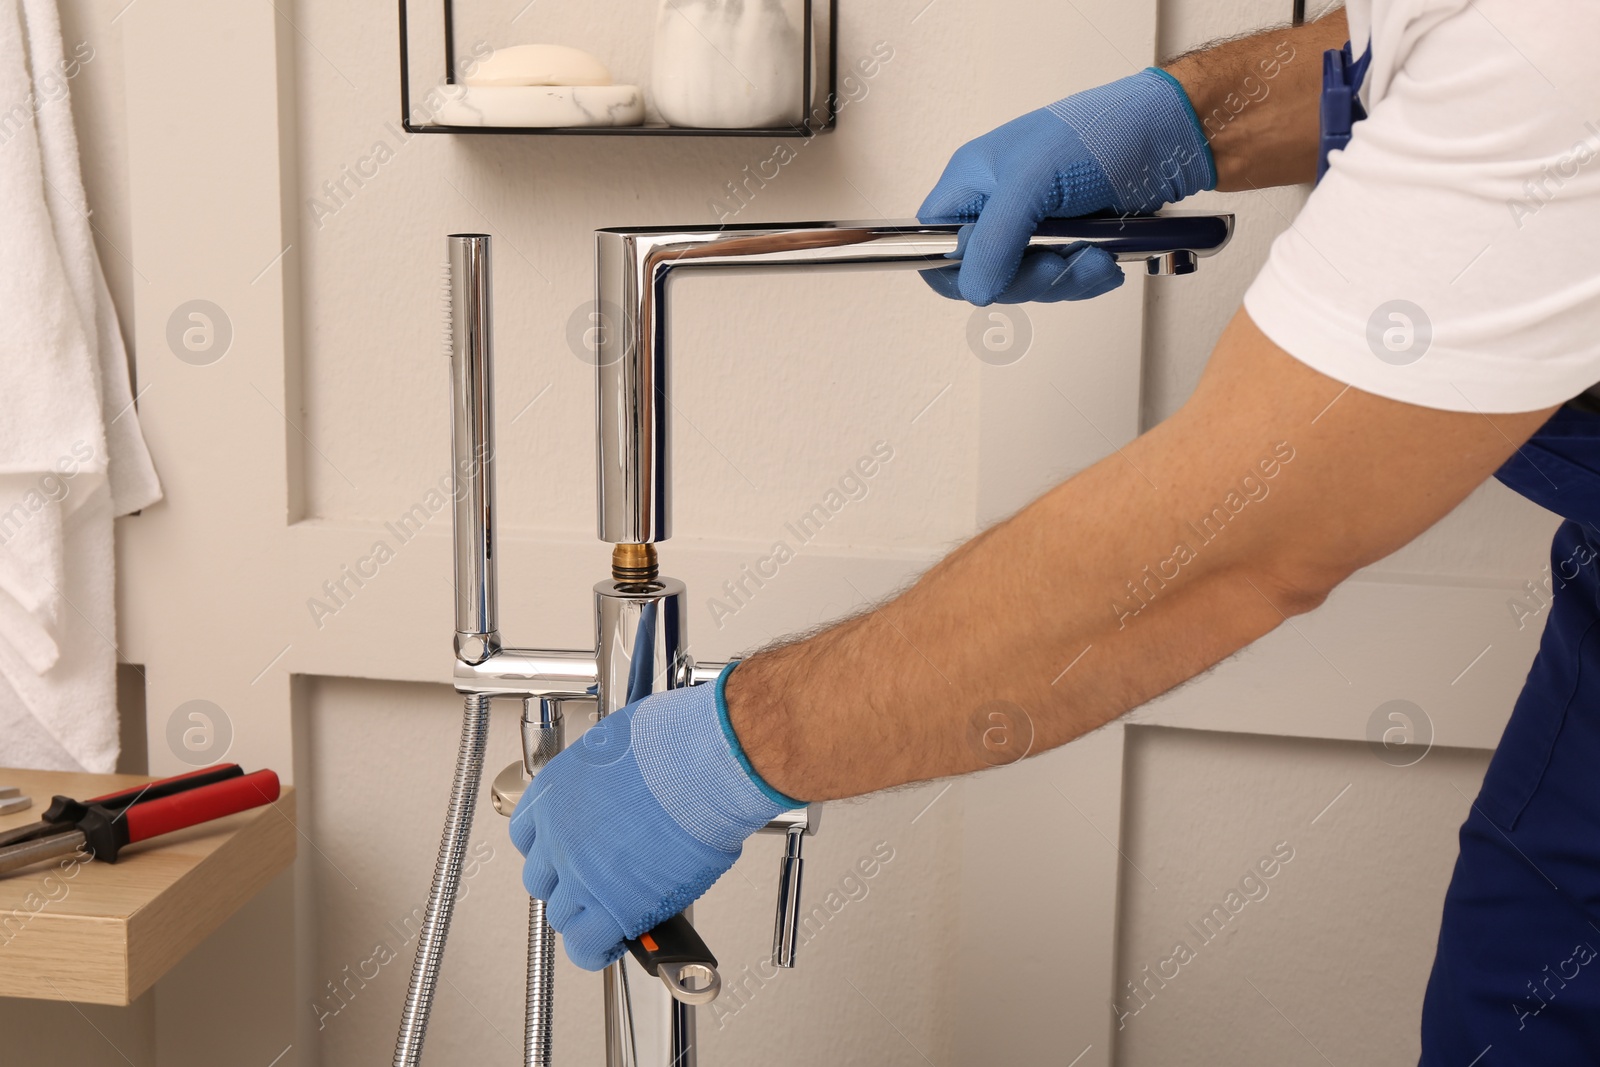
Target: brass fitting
<point>634,564</point>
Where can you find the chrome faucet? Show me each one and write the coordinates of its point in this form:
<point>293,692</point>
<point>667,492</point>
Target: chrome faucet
<point>641,623</point>
<point>633,267</point>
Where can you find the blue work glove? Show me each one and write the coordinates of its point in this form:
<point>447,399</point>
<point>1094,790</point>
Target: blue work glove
<point>638,818</point>
<point>1129,147</point>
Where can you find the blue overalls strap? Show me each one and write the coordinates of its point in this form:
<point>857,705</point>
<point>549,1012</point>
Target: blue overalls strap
<point>1341,108</point>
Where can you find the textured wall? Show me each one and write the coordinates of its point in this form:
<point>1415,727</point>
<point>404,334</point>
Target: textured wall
<point>1321,960</point>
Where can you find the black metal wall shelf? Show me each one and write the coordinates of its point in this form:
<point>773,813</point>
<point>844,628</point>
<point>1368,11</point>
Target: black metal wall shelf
<point>819,108</point>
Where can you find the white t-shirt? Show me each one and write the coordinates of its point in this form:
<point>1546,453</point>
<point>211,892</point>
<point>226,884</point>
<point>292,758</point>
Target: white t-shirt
<point>1451,256</point>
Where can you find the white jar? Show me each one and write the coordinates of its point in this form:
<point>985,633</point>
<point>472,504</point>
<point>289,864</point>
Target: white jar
<point>729,64</point>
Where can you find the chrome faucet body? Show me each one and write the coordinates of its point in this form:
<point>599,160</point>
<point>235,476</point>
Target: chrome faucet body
<point>641,624</point>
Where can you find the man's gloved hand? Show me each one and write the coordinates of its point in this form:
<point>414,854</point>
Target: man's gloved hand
<point>638,818</point>
<point>1130,147</point>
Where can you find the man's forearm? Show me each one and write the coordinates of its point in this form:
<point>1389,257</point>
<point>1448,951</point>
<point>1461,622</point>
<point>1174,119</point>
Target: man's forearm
<point>1035,632</point>
<point>1257,100</point>
<point>1252,502</point>
<point>1010,646</point>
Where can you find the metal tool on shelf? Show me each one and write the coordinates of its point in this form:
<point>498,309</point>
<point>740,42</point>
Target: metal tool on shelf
<point>102,826</point>
<point>641,622</point>
<point>56,818</point>
<point>12,800</point>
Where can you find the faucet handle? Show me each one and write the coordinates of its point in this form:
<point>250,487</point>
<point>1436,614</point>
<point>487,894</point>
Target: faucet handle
<point>794,825</point>
<point>786,927</point>
<point>544,735</point>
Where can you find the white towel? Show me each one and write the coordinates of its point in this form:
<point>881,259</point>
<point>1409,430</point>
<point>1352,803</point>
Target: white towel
<point>71,453</point>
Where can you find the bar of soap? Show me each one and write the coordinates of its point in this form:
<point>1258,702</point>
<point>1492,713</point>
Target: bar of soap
<point>538,64</point>
<point>541,106</point>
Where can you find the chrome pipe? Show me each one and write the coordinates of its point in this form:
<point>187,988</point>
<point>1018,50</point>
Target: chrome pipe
<point>633,265</point>
<point>641,633</point>
<point>621,1048</point>
<point>472,445</point>
<point>528,674</point>
<point>704,673</point>
<point>641,642</point>
<point>446,881</point>
<point>644,1025</point>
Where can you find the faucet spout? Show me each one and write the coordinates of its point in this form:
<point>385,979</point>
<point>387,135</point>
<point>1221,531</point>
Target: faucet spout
<point>633,266</point>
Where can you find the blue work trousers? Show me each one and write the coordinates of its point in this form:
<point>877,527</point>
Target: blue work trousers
<point>1516,978</point>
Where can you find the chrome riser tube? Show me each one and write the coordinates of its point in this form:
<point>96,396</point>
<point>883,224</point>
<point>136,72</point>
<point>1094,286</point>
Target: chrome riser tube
<point>641,634</point>
<point>472,446</point>
<point>632,267</point>
<point>483,669</point>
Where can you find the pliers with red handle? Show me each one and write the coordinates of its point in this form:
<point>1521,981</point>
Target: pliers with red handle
<point>103,825</point>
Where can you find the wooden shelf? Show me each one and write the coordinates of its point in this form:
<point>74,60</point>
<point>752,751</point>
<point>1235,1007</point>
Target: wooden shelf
<point>103,933</point>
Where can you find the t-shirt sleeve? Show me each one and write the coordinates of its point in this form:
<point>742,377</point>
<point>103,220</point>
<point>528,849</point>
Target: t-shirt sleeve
<point>1451,256</point>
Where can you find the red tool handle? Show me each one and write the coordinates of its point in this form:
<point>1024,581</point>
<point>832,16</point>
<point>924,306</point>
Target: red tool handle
<point>152,818</point>
<point>64,811</point>
<point>162,786</point>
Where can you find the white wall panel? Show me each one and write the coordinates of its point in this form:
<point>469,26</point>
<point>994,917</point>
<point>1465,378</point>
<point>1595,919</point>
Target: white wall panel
<point>1323,962</point>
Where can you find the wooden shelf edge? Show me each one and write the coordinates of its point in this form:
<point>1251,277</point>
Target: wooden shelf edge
<point>95,933</point>
<point>168,928</point>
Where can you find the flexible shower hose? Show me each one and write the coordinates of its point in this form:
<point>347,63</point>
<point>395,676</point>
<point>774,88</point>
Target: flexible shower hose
<point>441,907</point>
<point>446,880</point>
<point>541,987</point>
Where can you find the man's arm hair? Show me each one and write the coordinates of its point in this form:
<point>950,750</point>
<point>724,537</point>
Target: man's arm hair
<point>1268,488</point>
<point>1257,100</point>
